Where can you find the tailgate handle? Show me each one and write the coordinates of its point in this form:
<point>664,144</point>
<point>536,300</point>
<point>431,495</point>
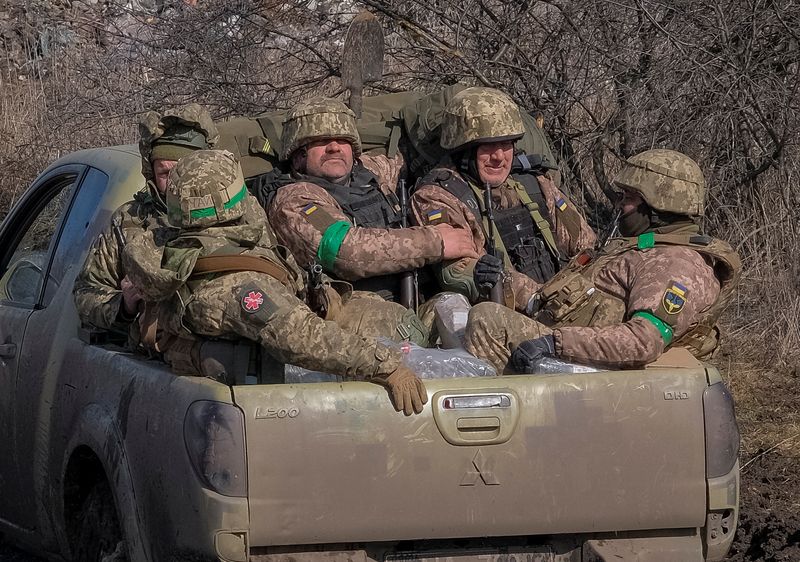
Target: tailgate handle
<point>8,350</point>
<point>478,424</point>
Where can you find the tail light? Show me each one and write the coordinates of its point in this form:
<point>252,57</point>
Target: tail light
<point>214,436</point>
<point>722,433</point>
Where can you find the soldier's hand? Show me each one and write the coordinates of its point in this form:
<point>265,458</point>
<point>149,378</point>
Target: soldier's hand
<point>408,392</point>
<point>488,272</point>
<point>525,358</point>
<point>456,242</point>
<point>131,296</point>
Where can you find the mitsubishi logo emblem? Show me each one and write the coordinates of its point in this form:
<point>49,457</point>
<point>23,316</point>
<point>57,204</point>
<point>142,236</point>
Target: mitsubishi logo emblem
<point>480,468</point>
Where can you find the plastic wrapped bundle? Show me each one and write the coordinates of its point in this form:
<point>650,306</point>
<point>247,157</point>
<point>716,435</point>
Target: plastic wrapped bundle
<point>553,366</point>
<point>426,363</point>
<point>452,311</point>
<point>444,363</point>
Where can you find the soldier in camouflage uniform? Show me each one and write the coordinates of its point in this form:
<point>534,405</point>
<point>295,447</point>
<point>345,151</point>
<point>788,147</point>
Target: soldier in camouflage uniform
<point>342,212</point>
<point>663,284</point>
<point>218,279</point>
<point>104,295</point>
<point>536,225</point>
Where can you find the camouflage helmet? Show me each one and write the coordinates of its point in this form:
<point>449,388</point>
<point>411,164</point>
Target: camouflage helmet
<point>480,115</point>
<point>667,181</point>
<point>317,119</point>
<point>174,134</point>
<point>205,188</point>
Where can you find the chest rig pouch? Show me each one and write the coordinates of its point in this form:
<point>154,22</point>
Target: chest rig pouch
<point>571,298</point>
<point>524,230</point>
<point>526,248</point>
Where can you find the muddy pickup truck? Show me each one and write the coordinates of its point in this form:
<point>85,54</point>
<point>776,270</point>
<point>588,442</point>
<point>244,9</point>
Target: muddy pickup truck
<point>106,455</point>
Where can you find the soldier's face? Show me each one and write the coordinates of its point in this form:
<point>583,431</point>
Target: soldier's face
<point>494,161</point>
<point>331,159</point>
<point>629,202</point>
<point>161,170</point>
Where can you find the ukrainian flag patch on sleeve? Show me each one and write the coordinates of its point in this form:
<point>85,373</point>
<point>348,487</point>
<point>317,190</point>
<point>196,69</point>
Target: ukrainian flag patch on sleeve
<point>561,204</point>
<point>674,297</point>
<point>436,215</point>
<point>310,208</point>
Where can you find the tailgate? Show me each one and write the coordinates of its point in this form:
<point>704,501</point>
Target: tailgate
<point>512,455</point>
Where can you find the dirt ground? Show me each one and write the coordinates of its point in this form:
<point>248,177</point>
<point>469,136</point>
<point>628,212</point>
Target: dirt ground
<point>768,412</point>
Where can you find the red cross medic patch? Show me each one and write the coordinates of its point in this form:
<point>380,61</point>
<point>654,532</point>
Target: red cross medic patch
<point>252,301</point>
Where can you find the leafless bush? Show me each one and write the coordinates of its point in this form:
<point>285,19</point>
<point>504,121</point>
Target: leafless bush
<point>717,79</point>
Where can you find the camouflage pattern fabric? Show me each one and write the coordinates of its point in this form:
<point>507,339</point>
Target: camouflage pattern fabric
<point>153,126</point>
<point>667,180</point>
<point>248,304</point>
<point>365,252</point>
<point>642,279</point>
<point>317,119</point>
<point>97,292</point>
<point>480,114</point>
<point>205,189</point>
<point>432,204</point>
<point>367,314</point>
<point>258,307</point>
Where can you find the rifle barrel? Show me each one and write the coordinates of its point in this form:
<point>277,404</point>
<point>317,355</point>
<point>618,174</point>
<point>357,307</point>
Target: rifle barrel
<point>408,289</point>
<point>496,292</point>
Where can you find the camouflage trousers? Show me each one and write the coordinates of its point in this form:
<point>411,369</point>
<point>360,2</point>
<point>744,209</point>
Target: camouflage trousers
<point>368,315</point>
<point>494,331</point>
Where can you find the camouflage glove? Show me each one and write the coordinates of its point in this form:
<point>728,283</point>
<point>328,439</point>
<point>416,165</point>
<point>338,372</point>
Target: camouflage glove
<point>408,392</point>
<point>527,355</point>
<point>488,272</point>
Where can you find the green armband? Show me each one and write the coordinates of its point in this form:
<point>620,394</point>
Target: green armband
<point>331,243</point>
<point>663,328</point>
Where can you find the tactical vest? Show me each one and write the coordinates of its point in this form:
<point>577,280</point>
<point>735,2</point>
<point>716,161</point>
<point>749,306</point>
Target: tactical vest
<point>572,299</point>
<point>525,235</point>
<point>367,206</point>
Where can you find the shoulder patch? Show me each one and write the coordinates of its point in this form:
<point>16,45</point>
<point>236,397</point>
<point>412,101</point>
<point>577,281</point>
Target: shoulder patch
<point>256,303</point>
<point>436,216</point>
<point>319,218</point>
<point>674,298</point>
<point>561,204</point>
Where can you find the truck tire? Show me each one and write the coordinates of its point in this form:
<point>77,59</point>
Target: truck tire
<point>99,538</point>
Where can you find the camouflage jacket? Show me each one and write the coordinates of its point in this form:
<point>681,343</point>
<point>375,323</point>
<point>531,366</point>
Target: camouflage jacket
<point>364,252</point>
<point>97,292</point>
<point>249,304</point>
<point>433,200</point>
<point>643,280</point>
<point>671,282</point>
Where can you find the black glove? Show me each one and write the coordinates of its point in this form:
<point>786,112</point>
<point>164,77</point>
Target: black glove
<point>488,272</point>
<point>526,357</point>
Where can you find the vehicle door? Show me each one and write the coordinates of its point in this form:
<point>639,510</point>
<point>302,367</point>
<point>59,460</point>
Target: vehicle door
<point>40,241</point>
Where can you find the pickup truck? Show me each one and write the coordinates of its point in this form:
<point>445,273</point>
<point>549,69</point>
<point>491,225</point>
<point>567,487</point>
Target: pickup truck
<point>107,455</point>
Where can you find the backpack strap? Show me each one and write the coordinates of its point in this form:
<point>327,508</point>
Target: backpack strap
<point>233,263</point>
<point>541,223</point>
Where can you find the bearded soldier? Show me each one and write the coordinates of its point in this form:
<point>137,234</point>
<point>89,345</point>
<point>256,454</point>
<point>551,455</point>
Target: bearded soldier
<point>104,295</point>
<point>217,279</point>
<point>664,284</point>
<point>342,212</point>
<point>536,223</point>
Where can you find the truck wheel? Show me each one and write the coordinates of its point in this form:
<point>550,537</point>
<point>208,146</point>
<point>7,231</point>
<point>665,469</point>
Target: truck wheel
<point>99,538</point>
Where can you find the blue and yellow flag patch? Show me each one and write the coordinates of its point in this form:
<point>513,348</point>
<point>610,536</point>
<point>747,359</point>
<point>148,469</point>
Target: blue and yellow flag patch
<point>561,204</point>
<point>674,297</point>
<point>436,215</point>
<point>310,208</point>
